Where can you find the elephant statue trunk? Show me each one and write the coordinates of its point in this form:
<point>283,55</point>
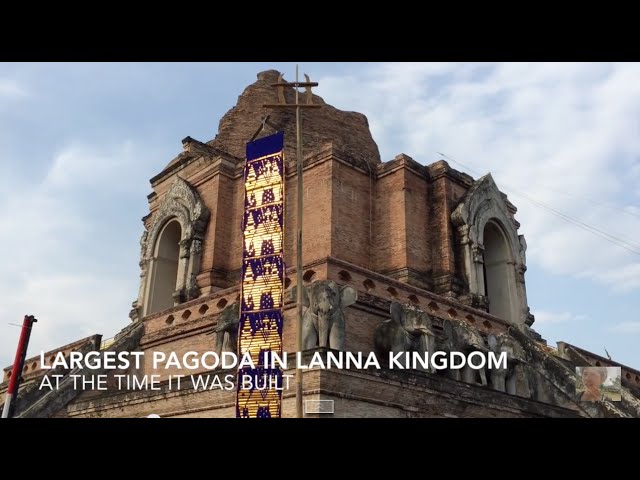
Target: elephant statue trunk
<point>227,329</point>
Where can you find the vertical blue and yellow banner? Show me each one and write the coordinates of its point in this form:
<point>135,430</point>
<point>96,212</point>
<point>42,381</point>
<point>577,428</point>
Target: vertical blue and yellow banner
<point>259,392</point>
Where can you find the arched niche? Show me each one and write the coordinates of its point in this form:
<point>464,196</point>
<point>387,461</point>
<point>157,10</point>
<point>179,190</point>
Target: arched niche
<point>181,207</point>
<point>163,280</point>
<point>499,276</point>
<point>483,220</point>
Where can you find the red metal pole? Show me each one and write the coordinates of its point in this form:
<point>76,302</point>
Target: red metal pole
<point>18,365</point>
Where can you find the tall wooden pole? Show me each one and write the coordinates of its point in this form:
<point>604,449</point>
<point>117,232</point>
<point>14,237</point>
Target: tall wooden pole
<point>299,160</point>
<point>299,410</point>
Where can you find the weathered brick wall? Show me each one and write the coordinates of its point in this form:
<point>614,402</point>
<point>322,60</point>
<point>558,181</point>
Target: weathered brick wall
<point>403,223</point>
<point>417,221</point>
<point>361,394</point>
<point>216,193</point>
<point>389,229</point>
<point>360,325</point>
<point>441,231</point>
<point>393,219</point>
<point>317,211</point>
<point>353,204</point>
<point>356,393</point>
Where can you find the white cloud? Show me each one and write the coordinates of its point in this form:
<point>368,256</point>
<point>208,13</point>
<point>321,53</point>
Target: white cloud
<point>627,327</point>
<point>63,262</point>
<point>622,279</point>
<point>11,90</point>
<point>563,134</point>
<point>556,317</point>
<point>80,165</point>
<point>68,306</point>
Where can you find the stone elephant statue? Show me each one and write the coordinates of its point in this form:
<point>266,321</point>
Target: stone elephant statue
<point>408,330</point>
<point>507,378</point>
<point>462,337</point>
<point>227,329</point>
<point>323,320</point>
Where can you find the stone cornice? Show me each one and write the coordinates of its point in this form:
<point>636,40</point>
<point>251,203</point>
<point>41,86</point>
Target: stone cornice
<point>186,158</point>
<point>402,161</point>
<point>441,169</point>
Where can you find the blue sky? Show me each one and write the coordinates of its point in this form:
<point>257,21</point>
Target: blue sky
<point>79,142</point>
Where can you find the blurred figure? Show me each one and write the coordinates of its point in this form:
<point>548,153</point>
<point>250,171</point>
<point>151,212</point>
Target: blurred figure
<point>592,380</point>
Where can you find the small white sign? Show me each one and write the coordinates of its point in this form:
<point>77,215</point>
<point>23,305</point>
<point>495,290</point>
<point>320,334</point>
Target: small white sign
<point>318,406</point>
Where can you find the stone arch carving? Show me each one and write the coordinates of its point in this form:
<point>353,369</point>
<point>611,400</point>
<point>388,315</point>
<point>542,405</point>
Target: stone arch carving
<point>182,204</point>
<point>483,204</point>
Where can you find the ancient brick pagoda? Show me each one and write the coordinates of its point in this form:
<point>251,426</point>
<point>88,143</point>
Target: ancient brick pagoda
<point>397,232</point>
